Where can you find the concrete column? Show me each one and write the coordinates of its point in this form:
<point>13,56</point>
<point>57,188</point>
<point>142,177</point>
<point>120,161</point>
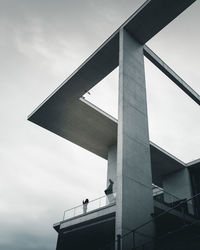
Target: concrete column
<point>112,166</point>
<point>134,179</point>
<point>179,185</point>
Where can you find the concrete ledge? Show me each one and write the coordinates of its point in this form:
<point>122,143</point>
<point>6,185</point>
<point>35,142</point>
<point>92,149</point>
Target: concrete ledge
<point>98,214</point>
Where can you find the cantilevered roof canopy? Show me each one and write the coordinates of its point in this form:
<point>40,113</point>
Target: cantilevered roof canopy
<point>74,119</point>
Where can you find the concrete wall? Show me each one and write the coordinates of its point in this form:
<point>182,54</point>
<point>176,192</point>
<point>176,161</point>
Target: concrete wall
<point>112,166</point>
<point>178,184</point>
<point>134,192</point>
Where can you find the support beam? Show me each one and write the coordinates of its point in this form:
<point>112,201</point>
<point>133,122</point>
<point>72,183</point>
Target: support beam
<point>134,192</point>
<point>153,16</point>
<point>171,74</point>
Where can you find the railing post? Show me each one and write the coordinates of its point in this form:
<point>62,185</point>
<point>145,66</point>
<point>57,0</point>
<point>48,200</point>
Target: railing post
<point>118,242</point>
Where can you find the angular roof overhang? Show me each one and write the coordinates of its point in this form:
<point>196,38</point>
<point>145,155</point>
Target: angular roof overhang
<point>68,115</point>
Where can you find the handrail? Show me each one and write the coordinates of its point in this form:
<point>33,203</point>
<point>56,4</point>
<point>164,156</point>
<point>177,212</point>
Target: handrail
<point>92,205</point>
<point>171,200</point>
<point>161,214</point>
<point>81,205</point>
<point>108,202</point>
<point>133,231</point>
<point>168,234</point>
<point>165,212</point>
<point>161,189</point>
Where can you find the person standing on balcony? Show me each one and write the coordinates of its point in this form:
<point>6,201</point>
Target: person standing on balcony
<point>85,204</point>
<point>109,191</point>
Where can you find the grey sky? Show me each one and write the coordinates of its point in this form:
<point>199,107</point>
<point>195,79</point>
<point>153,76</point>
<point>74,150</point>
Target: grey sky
<point>41,43</point>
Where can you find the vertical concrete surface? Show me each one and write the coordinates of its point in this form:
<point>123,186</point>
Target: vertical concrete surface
<point>112,166</point>
<point>179,185</point>
<point>134,179</point>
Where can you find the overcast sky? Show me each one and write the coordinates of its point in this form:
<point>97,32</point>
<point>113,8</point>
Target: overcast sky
<point>41,43</point>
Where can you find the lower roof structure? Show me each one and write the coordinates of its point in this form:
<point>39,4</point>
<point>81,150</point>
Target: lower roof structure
<point>68,115</point>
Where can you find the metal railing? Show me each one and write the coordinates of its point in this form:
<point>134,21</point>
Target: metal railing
<point>164,241</point>
<point>89,207</point>
<point>185,206</point>
<point>171,200</point>
<point>159,195</point>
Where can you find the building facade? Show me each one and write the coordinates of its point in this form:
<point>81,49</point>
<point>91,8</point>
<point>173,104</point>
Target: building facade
<point>154,194</point>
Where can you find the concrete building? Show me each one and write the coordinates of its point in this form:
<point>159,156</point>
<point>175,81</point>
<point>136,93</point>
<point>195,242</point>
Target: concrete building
<point>139,215</point>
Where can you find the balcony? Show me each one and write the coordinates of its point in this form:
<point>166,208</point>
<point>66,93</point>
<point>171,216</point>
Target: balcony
<point>159,195</point>
<point>95,223</point>
<point>104,207</point>
<point>172,201</point>
<point>93,206</point>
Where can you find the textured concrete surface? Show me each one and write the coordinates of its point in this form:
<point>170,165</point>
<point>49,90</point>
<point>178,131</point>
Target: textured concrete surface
<point>112,166</point>
<point>134,193</point>
<point>64,114</point>
<point>163,163</point>
<point>178,184</point>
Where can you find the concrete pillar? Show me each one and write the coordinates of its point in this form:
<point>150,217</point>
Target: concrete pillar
<point>179,185</point>
<point>134,179</point>
<point>112,166</point>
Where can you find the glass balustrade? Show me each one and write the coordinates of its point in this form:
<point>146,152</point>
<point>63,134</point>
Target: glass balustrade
<point>90,206</point>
